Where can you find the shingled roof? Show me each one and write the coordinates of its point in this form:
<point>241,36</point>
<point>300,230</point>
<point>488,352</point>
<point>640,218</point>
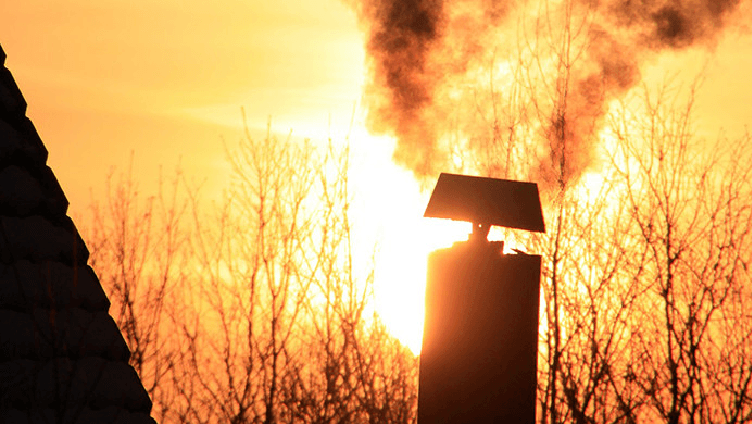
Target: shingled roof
<point>62,357</point>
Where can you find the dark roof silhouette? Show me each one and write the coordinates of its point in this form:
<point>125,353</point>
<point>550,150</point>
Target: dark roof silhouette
<point>62,357</point>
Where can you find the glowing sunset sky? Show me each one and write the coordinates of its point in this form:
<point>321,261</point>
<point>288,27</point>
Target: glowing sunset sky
<point>166,79</point>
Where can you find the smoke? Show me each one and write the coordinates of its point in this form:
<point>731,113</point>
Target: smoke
<point>674,24</point>
<point>418,49</point>
<point>402,37</point>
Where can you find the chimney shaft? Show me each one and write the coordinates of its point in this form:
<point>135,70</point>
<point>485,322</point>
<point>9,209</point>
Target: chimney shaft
<point>479,356</point>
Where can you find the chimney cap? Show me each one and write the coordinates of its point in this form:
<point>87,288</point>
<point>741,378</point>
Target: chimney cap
<point>487,201</point>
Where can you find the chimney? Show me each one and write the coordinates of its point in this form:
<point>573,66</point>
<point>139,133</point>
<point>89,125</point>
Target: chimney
<point>478,363</point>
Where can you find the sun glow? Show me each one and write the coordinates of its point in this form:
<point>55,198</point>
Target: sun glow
<point>388,220</point>
<point>401,272</point>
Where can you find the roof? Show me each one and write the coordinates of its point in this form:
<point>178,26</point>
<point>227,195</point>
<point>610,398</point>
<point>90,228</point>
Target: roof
<point>62,357</point>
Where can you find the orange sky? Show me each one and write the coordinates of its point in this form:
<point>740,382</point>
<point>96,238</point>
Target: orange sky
<point>166,79</point>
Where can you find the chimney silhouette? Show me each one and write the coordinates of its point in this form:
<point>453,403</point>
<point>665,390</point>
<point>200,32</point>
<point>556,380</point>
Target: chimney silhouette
<point>478,363</point>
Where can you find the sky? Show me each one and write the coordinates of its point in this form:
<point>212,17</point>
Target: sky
<point>163,83</point>
<point>166,80</point>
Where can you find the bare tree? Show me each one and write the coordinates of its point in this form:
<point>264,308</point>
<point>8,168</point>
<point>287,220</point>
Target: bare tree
<point>692,221</point>
<point>281,326</point>
<point>137,247</point>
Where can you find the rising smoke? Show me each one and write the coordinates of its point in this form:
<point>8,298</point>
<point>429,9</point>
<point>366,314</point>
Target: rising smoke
<point>403,37</point>
<point>416,49</point>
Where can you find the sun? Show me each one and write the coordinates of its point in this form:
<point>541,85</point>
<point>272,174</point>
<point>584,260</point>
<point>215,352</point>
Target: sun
<point>388,222</point>
<point>387,212</point>
<point>400,279</point>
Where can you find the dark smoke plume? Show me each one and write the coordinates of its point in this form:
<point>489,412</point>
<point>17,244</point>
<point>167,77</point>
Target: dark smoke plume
<point>402,37</point>
<point>577,116</point>
<point>674,23</point>
<point>417,48</point>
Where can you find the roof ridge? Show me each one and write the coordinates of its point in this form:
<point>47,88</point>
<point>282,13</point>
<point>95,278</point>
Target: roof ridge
<point>61,353</point>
